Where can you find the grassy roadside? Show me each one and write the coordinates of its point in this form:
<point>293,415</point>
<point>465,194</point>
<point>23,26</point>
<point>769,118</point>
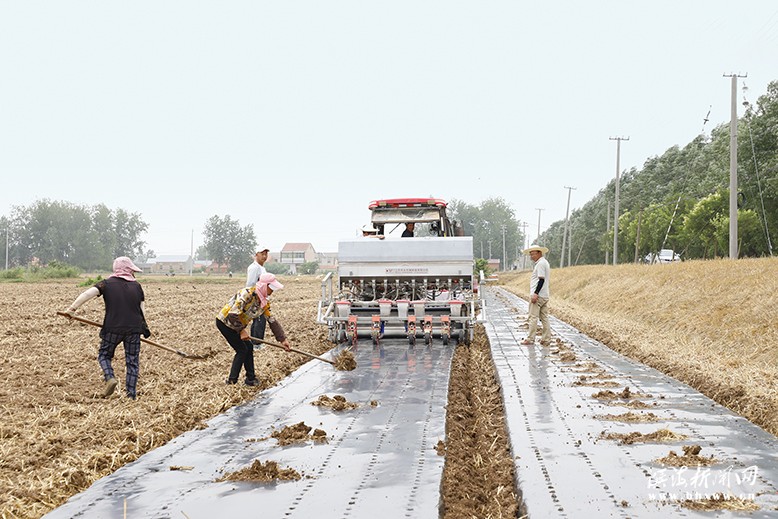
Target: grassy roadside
<point>710,324</point>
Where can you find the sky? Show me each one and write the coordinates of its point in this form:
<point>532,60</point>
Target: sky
<point>292,116</point>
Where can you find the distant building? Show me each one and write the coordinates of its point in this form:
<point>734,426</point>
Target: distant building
<point>494,264</point>
<point>327,260</point>
<point>170,265</point>
<point>295,254</point>
<point>217,268</point>
<point>201,265</point>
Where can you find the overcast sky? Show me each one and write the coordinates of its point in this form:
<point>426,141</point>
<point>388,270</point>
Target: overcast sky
<point>293,115</point>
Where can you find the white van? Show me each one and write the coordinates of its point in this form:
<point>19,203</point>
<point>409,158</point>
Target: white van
<point>664,256</point>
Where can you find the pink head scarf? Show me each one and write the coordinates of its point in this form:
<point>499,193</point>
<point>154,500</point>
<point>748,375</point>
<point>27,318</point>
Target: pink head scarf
<point>123,267</point>
<point>266,280</point>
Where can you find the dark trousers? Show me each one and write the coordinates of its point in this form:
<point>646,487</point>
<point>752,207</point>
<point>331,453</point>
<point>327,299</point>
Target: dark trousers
<point>108,344</point>
<point>258,327</point>
<point>244,352</point>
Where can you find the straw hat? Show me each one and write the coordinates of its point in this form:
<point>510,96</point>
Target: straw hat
<point>529,249</point>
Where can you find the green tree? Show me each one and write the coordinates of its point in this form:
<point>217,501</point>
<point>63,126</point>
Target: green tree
<point>309,267</point>
<point>128,227</point>
<point>201,253</point>
<point>229,243</point>
<point>488,223</point>
<point>77,235</point>
<point>702,226</point>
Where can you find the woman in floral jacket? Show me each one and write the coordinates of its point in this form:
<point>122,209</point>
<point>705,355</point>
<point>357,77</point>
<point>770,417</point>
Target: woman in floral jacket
<point>233,320</point>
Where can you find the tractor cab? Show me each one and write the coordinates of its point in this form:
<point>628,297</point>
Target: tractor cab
<point>428,215</point>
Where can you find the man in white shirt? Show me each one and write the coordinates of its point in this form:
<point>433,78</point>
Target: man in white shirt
<point>256,269</point>
<point>539,295</point>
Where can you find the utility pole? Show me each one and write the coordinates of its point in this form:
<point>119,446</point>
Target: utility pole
<point>191,253</point>
<point>504,251</point>
<point>537,241</point>
<point>616,203</point>
<point>607,230</point>
<point>564,233</point>
<point>490,250</point>
<point>482,249</point>
<point>6,247</point>
<point>524,233</point>
<point>733,169</point>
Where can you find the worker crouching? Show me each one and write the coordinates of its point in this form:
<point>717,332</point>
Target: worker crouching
<point>233,320</point>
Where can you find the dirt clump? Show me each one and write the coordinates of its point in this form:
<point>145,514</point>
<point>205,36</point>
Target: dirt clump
<point>297,433</point>
<point>262,473</point>
<point>623,395</point>
<point>336,403</point>
<point>635,404</point>
<point>660,436</point>
<point>345,361</point>
<point>690,458</point>
<point>721,502</point>
<point>593,382</point>
<point>589,366</point>
<point>440,448</point>
<point>630,417</point>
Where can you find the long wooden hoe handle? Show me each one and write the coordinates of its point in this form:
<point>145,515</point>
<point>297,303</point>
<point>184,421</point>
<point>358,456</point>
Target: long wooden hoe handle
<point>269,343</point>
<point>142,339</point>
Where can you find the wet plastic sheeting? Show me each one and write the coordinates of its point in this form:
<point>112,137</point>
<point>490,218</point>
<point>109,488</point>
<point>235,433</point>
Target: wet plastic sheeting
<point>379,461</point>
<point>566,470</point>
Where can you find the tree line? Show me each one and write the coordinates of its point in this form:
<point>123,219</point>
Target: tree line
<point>89,237</point>
<point>83,236</point>
<point>493,225</point>
<point>680,199</point>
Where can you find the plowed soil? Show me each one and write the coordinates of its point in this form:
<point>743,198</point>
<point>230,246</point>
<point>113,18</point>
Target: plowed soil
<point>58,436</point>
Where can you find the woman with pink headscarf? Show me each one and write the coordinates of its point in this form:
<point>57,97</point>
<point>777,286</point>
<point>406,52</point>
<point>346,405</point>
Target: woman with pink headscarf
<point>123,322</point>
<point>232,321</point>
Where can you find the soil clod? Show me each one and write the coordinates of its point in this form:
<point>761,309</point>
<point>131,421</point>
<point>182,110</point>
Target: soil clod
<point>345,361</point>
<point>336,403</point>
<point>662,435</point>
<point>263,473</point>
<point>690,458</point>
<point>298,433</point>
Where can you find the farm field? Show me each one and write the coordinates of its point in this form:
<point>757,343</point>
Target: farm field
<point>710,324</point>
<point>58,435</point>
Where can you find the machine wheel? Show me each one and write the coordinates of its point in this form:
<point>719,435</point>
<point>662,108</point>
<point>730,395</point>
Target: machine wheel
<point>445,340</point>
<point>412,340</point>
<point>341,338</point>
<point>427,338</point>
